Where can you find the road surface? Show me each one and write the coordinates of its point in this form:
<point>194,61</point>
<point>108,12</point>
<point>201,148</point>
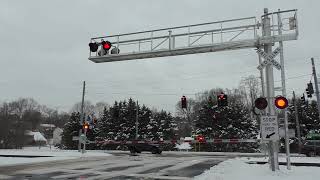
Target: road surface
<point>120,166</point>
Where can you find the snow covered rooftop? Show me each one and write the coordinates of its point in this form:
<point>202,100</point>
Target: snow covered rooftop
<point>36,135</point>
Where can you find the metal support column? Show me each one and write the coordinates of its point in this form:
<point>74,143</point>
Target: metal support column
<point>284,93</point>
<point>266,32</point>
<point>82,115</point>
<point>297,121</point>
<point>316,85</point>
<point>137,119</point>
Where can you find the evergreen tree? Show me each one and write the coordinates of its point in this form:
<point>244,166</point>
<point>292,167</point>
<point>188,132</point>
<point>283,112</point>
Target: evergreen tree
<point>308,117</point>
<point>71,129</point>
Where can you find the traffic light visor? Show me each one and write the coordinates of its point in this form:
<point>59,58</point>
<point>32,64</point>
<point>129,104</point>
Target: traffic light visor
<point>281,102</point>
<point>93,47</point>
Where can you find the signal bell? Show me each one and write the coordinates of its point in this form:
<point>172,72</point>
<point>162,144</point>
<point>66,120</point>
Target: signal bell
<point>281,102</point>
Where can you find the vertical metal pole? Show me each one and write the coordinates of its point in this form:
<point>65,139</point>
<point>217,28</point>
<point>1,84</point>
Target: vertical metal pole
<point>221,39</point>
<point>151,41</point>
<point>137,119</point>
<point>284,93</point>
<point>189,36</point>
<point>262,78</point>
<point>81,115</point>
<point>266,31</point>
<point>170,43</point>
<point>316,85</point>
<point>85,142</point>
<point>297,121</point>
<point>118,42</point>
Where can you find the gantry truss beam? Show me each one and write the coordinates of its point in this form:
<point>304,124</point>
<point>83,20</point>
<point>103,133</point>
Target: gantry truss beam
<point>198,38</point>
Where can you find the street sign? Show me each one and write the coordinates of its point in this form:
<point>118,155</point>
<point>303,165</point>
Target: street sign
<point>269,58</point>
<point>269,128</point>
<point>83,138</point>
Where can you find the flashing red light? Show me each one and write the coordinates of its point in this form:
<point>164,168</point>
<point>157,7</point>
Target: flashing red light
<point>281,102</point>
<point>106,45</point>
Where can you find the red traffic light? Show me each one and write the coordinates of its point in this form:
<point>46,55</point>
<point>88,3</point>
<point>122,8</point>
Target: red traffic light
<point>106,45</point>
<point>281,102</point>
<point>261,103</point>
<point>200,138</point>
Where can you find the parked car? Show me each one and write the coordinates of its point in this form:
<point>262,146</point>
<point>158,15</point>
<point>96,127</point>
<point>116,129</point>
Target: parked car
<point>311,148</point>
<point>138,148</point>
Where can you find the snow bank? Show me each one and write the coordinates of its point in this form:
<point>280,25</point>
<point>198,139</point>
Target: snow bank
<point>292,159</point>
<point>183,146</point>
<point>56,154</point>
<point>238,169</point>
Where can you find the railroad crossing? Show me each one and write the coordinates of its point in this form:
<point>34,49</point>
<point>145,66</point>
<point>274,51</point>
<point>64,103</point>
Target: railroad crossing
<point>227,35</point>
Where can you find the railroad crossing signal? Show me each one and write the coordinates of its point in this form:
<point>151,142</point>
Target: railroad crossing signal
<point>281,102</point>
<point>269,58</point>
<point>261,103</point>
<point>106,45</point>
<point>93,46</point>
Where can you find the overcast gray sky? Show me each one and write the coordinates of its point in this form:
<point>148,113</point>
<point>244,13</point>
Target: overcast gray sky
<point>44,50</point>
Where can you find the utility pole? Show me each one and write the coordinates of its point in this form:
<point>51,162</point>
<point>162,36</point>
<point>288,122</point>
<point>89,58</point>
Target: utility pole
<point>137,119</point>
<point>82,115</point>
<point>297,121</point>
<point>266,32</point>
<point>284,94</point>
<point>316,85</point>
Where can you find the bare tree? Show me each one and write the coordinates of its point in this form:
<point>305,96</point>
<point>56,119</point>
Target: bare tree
<point>250,87</point>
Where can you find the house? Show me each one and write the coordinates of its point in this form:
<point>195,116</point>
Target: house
<point>35,138</point>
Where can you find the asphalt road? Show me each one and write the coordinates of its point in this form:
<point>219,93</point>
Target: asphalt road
<point>120,166</point>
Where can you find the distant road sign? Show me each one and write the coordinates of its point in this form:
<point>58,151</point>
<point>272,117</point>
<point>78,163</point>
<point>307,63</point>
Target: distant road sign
<point>269,128</point>
<point>269,58</point>
<point>75,138</point>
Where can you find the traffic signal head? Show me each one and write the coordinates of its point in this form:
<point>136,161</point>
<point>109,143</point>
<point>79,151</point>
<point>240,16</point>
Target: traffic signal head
<point>85,126</point>
<point>303,99</point>
<point>200,138</point>
<point>281,102</point>
<point>261,103</point>
<point>93,46</point>
<point>183,102</point>
<point>106,45</point>
<point>222,100</point>
<point>310,90</point>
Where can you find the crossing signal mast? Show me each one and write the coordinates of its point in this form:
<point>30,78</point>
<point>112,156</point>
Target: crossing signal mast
<point>232,34</point>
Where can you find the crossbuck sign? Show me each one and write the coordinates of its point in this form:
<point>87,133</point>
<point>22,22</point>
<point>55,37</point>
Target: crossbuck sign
<point>269,58</point>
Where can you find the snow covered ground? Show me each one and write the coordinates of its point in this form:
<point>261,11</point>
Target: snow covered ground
<point>239,169</point>
<point>43,151</point>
